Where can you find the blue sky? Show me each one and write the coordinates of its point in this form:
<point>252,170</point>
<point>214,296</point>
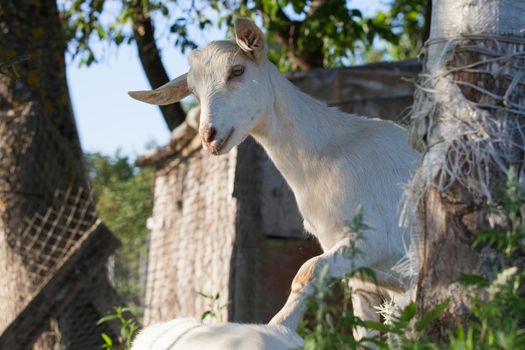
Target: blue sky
<point>107,119</point>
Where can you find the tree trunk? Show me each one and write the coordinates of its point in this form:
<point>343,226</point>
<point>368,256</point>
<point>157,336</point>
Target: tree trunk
<point>26,181</point>
<point>144,34</point>
<point>45,201</point>
<point>466,121</point>
<point>33,28</point>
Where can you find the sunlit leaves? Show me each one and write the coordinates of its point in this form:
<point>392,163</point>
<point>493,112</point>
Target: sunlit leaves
<point>324,33</point>
<point>128,329</point>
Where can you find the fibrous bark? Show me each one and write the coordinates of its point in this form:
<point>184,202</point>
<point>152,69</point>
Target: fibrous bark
<point>467,121</point>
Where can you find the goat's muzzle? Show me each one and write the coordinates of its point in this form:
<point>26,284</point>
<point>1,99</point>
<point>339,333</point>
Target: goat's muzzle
<point>215,147</point>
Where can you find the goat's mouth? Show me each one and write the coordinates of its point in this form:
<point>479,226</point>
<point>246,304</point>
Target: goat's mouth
<point>217,147</point>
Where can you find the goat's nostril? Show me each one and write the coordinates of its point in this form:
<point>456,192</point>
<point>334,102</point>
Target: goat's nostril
<point>209,134</point>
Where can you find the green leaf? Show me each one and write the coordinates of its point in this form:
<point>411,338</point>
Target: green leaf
<point>204,295</point>
<point>107,319</point>
<point>100,31</point>
<point>378,326</point>
<point>408,313</point>
<point>206,314</point>
<point>107,339</point>
<point>432,315</point>
<point>473,280</point>
<point>124,332</point>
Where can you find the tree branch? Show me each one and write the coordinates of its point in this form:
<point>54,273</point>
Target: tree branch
<point>144,34</point>
<point>287,33</point>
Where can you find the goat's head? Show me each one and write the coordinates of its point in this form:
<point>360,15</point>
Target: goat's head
<point>231,81</point>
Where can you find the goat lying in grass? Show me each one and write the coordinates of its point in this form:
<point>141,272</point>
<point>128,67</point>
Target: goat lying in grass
<point>332,161</point>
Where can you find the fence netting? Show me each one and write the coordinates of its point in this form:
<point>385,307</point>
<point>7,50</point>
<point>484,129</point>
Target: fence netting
<point>53,247</point>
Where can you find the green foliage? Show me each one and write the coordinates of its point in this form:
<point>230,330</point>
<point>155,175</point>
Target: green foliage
<point>510,239</point>
<point>498,306</point>
<point>499,315</point>
<point>215,307</point>
<point>329,325</point>
<point>341,32</point>
<point>128,329</point>
<point>124,201</point>
<point>89,21</point>
<point>401,29</point>
<point>335,31</point>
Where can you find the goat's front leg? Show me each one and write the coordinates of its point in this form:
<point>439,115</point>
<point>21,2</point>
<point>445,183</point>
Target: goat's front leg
<point>339,266</point>
<point>304,282</point>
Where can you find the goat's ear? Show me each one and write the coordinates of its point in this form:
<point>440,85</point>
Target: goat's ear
<point>168,93</point>
<point>249,38</point>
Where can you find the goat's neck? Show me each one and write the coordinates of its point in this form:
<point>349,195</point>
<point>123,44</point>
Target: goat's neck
<point>299,131</point>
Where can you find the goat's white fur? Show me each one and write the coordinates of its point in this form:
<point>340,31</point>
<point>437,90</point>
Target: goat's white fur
<point>186,334</point>
<point>333,161</point>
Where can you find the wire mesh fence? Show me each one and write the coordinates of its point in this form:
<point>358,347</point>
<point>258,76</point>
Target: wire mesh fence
<point>47,205</point>
<point>53,247</point>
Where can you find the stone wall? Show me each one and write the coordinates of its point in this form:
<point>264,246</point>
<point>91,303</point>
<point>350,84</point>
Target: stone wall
<point>192,236</point>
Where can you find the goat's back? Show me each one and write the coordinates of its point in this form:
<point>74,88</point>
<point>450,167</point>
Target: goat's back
<point>183,334</point>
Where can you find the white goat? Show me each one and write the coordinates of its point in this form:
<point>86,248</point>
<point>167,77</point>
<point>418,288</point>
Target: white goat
<point>186,334</point>
<point>333,161</point>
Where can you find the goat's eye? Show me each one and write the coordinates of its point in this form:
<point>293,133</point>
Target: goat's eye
<point>236,71</point>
